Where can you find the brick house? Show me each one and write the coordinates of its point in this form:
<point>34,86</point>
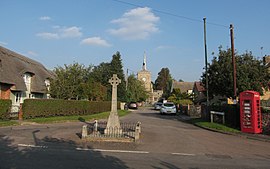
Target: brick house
<point>199,93</point>
<point>22,78</point>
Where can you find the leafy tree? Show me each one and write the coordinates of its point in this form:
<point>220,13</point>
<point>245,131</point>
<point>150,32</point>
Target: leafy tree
<point>93,90</point>
<point>76,81</point>
<point>177,97</point>
<point>251,74</point>
<point>135,90</point>
<point>67,83</point>
<point>164,82</point>
<point>101,73</point>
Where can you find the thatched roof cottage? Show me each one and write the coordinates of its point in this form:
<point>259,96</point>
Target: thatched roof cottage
<point>22,77</point>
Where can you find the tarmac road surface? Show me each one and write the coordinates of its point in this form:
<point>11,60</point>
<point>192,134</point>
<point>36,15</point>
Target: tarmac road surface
<point>166,142</point>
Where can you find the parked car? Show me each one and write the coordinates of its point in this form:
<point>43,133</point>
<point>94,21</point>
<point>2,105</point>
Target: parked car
<point>157,105</point>
<point>168,108</point>
<point>133,105</point>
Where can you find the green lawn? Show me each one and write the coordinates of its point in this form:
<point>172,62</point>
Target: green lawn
<point>58,119</point>
<point>103,115</point>
<point>215,126</point>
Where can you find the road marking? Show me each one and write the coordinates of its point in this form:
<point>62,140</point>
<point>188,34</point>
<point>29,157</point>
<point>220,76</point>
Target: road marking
<point>32,146</point>
<point>113,151</point>
<point>183,154</point>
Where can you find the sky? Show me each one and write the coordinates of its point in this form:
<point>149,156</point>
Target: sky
<point>170,32</point>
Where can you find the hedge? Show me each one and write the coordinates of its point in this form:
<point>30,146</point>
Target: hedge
<point>33,108</point>
<point>5,106</point>
<point>232,114</point>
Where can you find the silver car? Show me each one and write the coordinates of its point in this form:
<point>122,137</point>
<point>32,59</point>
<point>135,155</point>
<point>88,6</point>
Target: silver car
<point>168,108</point>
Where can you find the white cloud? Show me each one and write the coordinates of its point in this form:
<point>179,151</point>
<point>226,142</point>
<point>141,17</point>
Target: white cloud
<point>163,47</point>
<point>71,32</point>
<point>48,35</point>
<point>44,18</point>
<point>96,41</point>
<point>135,24</point>
<point>61,33</point>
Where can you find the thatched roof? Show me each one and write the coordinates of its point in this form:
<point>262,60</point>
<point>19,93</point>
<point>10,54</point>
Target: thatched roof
<point>183,86</point>
<point>13,66</point>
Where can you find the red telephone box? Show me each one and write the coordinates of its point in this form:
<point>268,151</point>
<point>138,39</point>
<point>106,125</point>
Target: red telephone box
<point>250,112</point>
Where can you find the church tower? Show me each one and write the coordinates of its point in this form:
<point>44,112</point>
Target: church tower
<point>145,76</point>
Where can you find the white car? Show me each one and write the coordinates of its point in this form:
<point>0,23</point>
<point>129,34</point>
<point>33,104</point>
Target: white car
<point>158,105</point>
<point>168,108</point>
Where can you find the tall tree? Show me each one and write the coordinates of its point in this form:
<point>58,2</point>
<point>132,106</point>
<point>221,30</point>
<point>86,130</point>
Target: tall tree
<point>135,91</point>
<point>251,74</point>
<point>164,81</point>
<point>104,71</point>
<point>117,68</point>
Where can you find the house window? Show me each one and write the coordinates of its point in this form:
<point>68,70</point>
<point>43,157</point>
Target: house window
<point>189,91</point>
<point>27,78</point>
<point>18,97</point>
<point>47,82</point>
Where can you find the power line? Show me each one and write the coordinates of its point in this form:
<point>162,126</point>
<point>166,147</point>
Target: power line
<point>171,14</point>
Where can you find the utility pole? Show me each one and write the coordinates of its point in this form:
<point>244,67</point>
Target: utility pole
<point>233,61</point>
<point>206,63</point>
<point>127,80</point>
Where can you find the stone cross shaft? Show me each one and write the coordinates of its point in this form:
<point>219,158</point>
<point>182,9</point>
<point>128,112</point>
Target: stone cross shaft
<point>114,81</point>
<point>113,125</point>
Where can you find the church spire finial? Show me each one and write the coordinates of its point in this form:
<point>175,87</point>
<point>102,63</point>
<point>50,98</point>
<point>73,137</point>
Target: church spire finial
<point>144,62</point>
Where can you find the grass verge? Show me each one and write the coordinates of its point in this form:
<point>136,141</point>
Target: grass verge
<point>91,117</point>
<point>215,126</point>
<point>8,123</point>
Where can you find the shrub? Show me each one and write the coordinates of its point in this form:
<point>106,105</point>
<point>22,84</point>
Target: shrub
<point>5,106</point>
<point>185,102</point>
<point>33,108</point>
<point>232,114</point>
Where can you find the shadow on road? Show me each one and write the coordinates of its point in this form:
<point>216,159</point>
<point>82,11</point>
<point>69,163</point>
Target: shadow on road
<point>156,114</point>
<point>166,165</point>
<point>169,117</point>
<point>52,153</point>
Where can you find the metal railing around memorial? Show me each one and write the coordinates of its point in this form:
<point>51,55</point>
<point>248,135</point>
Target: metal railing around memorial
<point>126,130</point>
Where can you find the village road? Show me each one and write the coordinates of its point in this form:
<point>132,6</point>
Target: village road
<point>166,142</point>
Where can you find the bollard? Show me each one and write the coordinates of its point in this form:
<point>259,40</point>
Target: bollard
<point>84,131</point>
<point>96,126</point>
<point>138,131</point>
<point>137,134</point>
<point>138,127</point>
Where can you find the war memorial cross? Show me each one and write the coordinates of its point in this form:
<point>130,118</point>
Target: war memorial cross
<point>114,81</point>
<point>113,121</point>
